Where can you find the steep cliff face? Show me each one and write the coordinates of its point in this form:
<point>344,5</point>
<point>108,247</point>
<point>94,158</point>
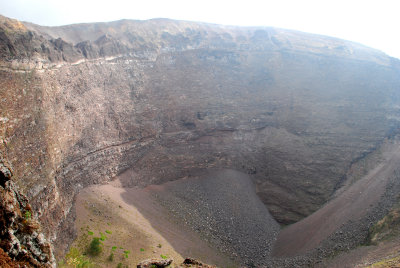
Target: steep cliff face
<point>167,99</point>
<point>20,235</point>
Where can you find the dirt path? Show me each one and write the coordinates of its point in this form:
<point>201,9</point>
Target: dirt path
<point>352,204</point>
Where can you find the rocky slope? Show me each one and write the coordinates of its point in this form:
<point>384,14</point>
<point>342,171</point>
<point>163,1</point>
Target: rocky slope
<point>222,207</point>
<point>164,99</point>
<point>347,220</point>
<point>20,234</point>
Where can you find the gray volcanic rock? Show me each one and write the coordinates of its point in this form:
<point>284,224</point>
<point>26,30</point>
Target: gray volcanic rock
<point>154,263</point>
<point>166,99</point>
<point>187,263</point>
<point>17,42</point>
<point>223,208</point>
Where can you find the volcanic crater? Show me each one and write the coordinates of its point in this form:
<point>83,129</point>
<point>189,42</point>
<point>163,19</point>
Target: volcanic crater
<point>251,146</point>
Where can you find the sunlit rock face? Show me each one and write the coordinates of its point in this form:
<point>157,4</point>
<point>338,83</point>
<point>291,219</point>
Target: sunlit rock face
<point>166,99</point>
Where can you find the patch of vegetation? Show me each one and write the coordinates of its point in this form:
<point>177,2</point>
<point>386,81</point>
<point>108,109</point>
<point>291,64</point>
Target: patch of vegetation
<point>103,237</point>
<point>75,259</point>
<point>90,233</point>
<point>163,256</point>
<point>95,247</point>
<point>159,246</point>
<point>141,249</point>
<point>28,215</point>
<point>108,232</point>
<point>119,265</point>
<point>393,262</point>
<point>126,253</point>
<point>114,248</point>
<point>387,227</point>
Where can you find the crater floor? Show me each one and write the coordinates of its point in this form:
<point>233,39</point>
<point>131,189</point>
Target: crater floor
<point>218,218</point>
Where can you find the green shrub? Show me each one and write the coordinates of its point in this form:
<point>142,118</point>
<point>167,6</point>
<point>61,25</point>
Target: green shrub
<point>75,259</point>
<point>95,247</point>
<point>27,215</point>
<point>126,253</point>
<point>102,237</point>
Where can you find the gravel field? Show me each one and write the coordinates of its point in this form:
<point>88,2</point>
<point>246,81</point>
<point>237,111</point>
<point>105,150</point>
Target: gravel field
<point>222,206</point>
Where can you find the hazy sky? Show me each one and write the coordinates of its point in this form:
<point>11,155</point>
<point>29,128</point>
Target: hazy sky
<point>373,23</point>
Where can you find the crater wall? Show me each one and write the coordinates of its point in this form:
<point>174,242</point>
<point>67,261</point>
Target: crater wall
<point>164,99</point>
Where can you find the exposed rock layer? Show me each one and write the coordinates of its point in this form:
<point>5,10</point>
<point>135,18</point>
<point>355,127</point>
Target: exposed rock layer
<point>20,235</point>
<point>166,99</point>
